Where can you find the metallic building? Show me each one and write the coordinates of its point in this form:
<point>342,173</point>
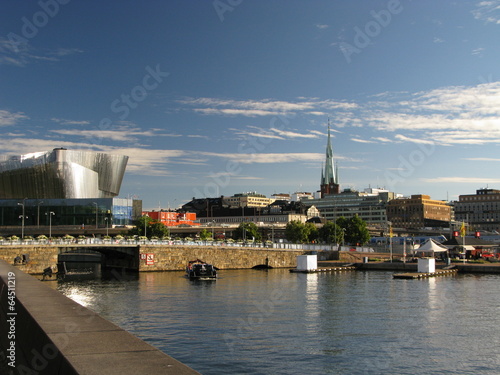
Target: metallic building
<point>62,174</point>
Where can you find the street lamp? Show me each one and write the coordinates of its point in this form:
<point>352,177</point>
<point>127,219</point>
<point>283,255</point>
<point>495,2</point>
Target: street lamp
<point>108,219</point>
<point>38,214</point>
<point>22,222</point>
<point>96,221</point>
<point>51,213</point>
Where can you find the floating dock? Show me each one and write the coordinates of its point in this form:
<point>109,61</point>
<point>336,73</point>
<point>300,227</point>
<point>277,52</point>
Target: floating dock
<point>423,275</point>
<point>328,269</point>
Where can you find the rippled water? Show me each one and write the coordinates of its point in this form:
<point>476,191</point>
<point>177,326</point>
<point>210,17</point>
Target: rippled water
<point>277,322</point>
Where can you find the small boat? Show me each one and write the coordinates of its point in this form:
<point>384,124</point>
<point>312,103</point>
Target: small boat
<point>199,270</point>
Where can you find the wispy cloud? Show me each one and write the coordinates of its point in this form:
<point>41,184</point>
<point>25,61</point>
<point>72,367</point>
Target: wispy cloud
<point>462,180</point>
<point>322,26</point>
<point>478,51</point>
<point>11,118</point>
<point>274,133</point>
<point>23,54</point>
<point>488,11</point>
<point>482,159</point>
<point>70,122</point>
<point>446,116</point>
<point>265,107</point>
<point>269,158</point>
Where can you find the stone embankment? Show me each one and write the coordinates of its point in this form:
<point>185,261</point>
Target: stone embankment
<point>158,257</point>
<point>172,258</point>
<point>44,332</point>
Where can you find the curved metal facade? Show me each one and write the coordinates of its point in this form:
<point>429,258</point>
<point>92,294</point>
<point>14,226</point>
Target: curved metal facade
<point>62,174</point>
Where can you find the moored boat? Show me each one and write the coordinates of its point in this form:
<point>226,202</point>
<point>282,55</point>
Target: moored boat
<point>200,270</point>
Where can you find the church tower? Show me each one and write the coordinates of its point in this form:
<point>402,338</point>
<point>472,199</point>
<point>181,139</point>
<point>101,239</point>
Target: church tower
<point>329,176</point>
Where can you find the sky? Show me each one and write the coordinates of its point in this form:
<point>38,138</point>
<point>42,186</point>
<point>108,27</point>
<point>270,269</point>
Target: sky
<point>217,97</point>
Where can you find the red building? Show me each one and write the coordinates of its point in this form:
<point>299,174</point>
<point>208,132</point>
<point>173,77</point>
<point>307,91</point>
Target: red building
<point>172,218</point>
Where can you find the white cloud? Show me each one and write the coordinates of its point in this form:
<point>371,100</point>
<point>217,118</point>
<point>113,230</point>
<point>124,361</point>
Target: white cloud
<point>462,180</point>
<point>446,115</point>
<point>361,140</point>
<point>268,158</point>
<point>488,11</point>
<point>481,159</point>
<point>274,133</point>
<point>322,26</point>
<point>264,107</point>
<point>70,122</point>
<point>11,118</point>
<point>21,54</point>
<point>290,134</point>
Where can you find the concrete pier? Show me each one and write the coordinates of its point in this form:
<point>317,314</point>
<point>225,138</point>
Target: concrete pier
<point>44,332</point>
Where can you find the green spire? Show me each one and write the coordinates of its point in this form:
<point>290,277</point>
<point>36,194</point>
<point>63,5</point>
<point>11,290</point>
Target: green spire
<point>329,174</point>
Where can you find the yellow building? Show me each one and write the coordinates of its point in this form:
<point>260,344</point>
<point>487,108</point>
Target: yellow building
<point>247,200</point>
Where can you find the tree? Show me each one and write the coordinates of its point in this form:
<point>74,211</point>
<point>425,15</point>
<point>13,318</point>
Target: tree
<point>157,229</point>
<point>145,226</point>
<point>295,232</point>
<point>330,232</point>
<point>312,232</point>
<point>205,235</point>
<point>247,231</point>
<point>355,230</point>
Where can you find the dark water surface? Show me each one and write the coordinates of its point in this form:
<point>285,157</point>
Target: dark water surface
<point>277,322</point>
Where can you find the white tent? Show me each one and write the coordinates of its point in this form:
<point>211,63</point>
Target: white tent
<point>431,246</point>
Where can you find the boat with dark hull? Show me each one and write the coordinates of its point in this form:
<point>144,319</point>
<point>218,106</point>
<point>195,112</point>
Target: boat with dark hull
<point>200,270</point>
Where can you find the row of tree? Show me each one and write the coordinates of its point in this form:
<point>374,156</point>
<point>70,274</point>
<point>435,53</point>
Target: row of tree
<point>345,231</point>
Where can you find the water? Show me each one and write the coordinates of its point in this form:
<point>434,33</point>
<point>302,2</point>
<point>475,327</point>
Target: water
<point>277,322</point>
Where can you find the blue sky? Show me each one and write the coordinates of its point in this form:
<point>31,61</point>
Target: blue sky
<point>212,98</point>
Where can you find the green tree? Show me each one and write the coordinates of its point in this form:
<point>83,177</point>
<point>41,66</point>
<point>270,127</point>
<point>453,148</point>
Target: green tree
<point>330,232</point>
<point>312,232</point>
<point>145,226</point>
<point>295,232</point>
<point>356,232</point>
<point>247,231</point>
<point>205,234</point>
<point>157,229</point>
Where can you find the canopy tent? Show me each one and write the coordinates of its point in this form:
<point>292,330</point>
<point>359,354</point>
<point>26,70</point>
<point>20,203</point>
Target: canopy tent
<point>431,246</point>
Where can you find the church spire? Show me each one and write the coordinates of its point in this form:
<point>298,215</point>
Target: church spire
<point>329,176</point>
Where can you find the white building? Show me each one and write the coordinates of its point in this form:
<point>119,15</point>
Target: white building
<point>369,205</point>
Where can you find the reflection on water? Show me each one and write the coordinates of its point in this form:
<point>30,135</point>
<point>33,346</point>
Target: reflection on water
<point>277,322</point>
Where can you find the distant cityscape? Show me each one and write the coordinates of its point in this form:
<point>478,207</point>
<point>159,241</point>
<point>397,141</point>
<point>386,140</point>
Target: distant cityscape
<point>74,188</point>
<point>379,208</point>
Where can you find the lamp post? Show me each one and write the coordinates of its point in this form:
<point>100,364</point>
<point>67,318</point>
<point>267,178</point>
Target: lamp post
<point>51,213</point>
<point>38,214</point>
<point>107,219</point>
<point>96,218</point>
<point>22,222</point>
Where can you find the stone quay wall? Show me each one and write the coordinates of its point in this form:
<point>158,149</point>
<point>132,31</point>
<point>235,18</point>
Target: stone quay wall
<point>46,333</point>
<point>163,257</point>
<point>174,258</point>
<point>40,257</point>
